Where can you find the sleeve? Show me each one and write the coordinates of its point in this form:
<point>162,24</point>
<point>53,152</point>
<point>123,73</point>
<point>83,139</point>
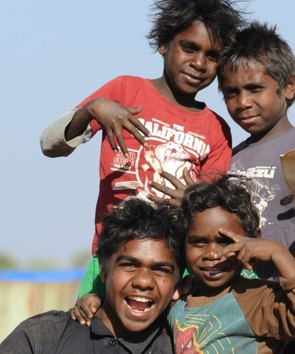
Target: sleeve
<point>218,159</point>
<point>53,142</point>
<point>20,341</point>
<point>269,309</point>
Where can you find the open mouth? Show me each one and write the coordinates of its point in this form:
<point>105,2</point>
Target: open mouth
<point>213,272</point>
<point>140,304</point>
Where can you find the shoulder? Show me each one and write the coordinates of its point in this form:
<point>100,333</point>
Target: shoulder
<point>50,317</point>
<point>241,146</point>
<point>37,332</point>
<point>130,80</point>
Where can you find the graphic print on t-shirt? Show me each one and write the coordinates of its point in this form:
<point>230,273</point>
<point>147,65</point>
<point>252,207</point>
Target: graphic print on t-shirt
<point>170,149</point>
<point>263,190</point>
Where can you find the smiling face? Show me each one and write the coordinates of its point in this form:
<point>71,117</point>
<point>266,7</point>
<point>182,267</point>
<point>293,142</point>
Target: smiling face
<point>253,100</point>
<point>190,61</point>
<point>203,241</point>
<point>140,281</point>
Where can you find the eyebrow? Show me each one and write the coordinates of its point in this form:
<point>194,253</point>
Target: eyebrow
<point>136,261</point>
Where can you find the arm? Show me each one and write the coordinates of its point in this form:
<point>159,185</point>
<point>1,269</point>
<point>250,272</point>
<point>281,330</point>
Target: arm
<point>113,117</point>
<point>251,249</point>
<point>18,342</point>
<point>269,307</point>
<point>53,141</point>
<point>73,128</point>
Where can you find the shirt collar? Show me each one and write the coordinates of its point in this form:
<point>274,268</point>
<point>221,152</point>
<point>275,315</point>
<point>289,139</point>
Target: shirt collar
<point>136,342</point>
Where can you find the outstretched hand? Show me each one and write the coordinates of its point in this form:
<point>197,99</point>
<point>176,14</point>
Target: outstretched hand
<point>174,194</point>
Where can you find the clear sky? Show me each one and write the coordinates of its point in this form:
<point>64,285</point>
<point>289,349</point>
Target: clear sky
<point>54,54</point>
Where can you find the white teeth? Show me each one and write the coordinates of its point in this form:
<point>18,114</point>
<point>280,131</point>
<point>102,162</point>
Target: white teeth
<point>139,299</point>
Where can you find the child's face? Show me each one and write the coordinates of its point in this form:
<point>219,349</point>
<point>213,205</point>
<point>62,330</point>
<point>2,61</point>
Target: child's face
<point>203,241</point>
<point>191,60</point>
<point>140,281</point>
<point>253,100</point>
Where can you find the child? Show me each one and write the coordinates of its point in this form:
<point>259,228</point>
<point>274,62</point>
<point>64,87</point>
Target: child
<point>182,132</point>
<point>141,265</point>
<point>257,78</point>
<point>227,313</point>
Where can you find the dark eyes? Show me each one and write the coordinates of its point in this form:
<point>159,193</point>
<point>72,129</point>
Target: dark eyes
<point>214,56</point>
<point>163,271</point>
<point>127,266</point>
<point>203,243</point>
<point>231,92</point>
<point>157,270</point>
<point>191,48</point>
<point>188,48</point>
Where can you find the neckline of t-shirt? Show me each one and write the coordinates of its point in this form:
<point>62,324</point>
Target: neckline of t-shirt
<point>249,144</point>
<point>164,100</point>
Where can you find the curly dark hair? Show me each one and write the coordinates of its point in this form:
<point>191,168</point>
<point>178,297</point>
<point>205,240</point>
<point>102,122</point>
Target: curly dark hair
<point>171,17</point>
<point>229,193</point>
<point>259,43</point>
<point>138,219</point>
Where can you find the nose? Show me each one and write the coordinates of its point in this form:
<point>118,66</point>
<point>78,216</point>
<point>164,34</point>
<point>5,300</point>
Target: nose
<point>211,251</point>
<point>244,100</point>
<point>143,279</point>
<point>198,61</point>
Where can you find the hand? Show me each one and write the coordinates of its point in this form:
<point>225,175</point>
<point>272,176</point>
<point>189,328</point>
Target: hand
<point>174,194</point>
<point>114,117</point>
<point>85,307</point>
<point>250,249</point>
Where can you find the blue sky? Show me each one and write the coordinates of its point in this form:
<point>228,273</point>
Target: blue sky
<point>54,54</point>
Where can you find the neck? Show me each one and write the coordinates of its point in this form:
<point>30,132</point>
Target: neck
<point>282,126</point>
<point>110,320</point>
<point>167,91</point>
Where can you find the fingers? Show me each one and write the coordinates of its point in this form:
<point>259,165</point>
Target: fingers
<point>231,235</point>
<point>173,180</point>
<point>187,178</point>
<point>111,139</point>
<point>173,193</point>
<point>230,250</point>
<point>78,314</point>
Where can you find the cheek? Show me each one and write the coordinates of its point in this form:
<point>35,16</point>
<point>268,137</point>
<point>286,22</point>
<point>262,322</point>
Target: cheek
<point>192,255</point>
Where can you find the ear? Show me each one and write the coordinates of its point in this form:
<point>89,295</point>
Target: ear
<point>289,89</point>
<point>163,49</point>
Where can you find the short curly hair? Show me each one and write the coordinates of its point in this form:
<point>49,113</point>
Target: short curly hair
<point>229,193</point>
<point>171,17</point>
<point>137,219</point>
<point>262,44</point>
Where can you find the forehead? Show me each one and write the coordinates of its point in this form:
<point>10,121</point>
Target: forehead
<point>245,72</point>
<point>146,251</point>
<point>200,34</point>
<point>209,221</point>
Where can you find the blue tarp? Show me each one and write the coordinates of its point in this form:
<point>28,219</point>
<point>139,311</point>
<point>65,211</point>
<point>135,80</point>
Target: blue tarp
<point>42,276</point>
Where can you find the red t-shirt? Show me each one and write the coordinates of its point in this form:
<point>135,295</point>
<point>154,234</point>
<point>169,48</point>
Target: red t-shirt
<point>199,141</point>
